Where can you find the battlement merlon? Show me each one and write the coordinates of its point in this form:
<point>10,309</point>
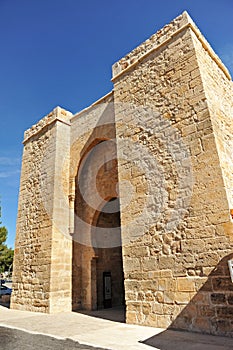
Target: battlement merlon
<point>58,114</point>
<point>162,37</point>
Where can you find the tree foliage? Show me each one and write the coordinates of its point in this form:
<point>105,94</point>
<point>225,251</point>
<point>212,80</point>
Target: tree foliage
<point>6,254</point>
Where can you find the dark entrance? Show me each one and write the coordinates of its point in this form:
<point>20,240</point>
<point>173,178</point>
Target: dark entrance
<point>106,239</point>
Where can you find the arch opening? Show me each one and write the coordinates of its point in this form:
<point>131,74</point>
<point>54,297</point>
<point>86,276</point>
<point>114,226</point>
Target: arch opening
<point>97,267</point>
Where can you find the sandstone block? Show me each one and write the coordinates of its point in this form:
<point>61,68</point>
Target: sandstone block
<point>186,284</point>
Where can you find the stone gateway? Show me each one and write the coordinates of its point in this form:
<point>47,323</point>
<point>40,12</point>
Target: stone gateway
<point>129,202</point>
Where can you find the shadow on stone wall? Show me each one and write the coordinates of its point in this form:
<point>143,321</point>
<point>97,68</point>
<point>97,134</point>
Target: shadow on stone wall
<point>210,311</point>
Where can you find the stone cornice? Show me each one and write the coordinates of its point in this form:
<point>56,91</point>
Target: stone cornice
<point>58,114</point>
<point>158,40</point>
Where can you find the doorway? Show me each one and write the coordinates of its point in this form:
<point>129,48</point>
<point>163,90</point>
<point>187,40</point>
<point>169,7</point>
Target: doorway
<point>108,273</point>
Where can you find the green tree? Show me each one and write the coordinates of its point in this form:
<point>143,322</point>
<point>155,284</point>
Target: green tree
<point>6,254</point>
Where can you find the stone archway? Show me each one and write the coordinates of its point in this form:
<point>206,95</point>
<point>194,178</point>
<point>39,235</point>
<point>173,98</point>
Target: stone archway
<point>97,233</point>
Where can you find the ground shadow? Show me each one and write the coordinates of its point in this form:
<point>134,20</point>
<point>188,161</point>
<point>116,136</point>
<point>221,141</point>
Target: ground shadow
<point>177,340</point>
<point>116,314</point>
<point>15,339</point>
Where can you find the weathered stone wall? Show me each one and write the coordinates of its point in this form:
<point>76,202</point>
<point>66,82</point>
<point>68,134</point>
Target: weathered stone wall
<point>42,268</point>
<point>219,91</point>
<point>176,231</point>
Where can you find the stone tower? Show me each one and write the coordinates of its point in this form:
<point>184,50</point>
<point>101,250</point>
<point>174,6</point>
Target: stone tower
<point>130,200</point>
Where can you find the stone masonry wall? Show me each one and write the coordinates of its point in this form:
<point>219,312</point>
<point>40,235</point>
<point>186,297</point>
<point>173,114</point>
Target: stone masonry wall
<point>61,252</point>
<point>31,275</point>
<point>219,92</point>
<point>42,252</point>
<point>175,231</point>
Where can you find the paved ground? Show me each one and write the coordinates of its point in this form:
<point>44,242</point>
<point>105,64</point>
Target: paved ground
<point>14,339</point>
<point>98,333</point>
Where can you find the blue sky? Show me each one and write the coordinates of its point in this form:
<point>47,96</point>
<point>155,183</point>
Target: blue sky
<point>60,52</point>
